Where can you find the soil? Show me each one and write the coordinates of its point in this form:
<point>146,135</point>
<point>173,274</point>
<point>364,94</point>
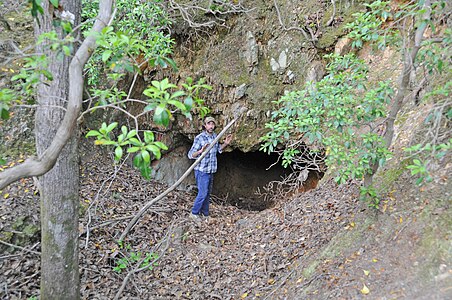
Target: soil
<point>322,244</point>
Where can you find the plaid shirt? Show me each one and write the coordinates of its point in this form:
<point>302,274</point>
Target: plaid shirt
<point>209,163</point>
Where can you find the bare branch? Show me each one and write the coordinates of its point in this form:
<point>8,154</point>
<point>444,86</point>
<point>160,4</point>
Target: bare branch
<point>305,34</point>
<point>330,21</point>
<point>191,10</point>
<point>19,247</point>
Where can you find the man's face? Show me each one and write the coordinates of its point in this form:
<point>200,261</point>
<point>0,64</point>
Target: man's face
<point>210,126</point>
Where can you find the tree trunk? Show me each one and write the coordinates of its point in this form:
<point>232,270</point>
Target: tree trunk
<point>59,187</point>
<point>409,58</point>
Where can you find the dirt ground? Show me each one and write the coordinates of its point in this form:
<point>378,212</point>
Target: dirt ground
<point>322,244</point>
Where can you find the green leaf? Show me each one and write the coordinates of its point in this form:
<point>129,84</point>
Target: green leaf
<point>36,8</point>
<point>136,142</point>
<point>118,153</point>
<point>148,137</point>
<point>178,104</point>
<point>93,133</point>
<point>54,3</point>
<point>106,55</point>
<point>4,113</point>
<point>145,155</point>
<point>150,106</point>
<point>133,149</point>
<point>172,63</point>
<point>146,171</point>
<point>161,145</point>
<point>67,27</point>
<point>188,102</point>
<point>66,51</point>
<point>131,134</point>
<point>137,160</point>
<point>177,94</point>
<point>111,126</point>
<point>155,150</point>
<point>162,118</point>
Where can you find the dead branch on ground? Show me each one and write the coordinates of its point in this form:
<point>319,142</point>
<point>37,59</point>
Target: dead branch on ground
<point>311,39</point>
<point>215,12</point>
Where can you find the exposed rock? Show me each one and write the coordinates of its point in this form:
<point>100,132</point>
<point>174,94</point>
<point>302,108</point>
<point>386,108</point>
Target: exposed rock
<point>315,72</point>
<point>251,51</point>
<point>343,46</point>
<point>240,91</point>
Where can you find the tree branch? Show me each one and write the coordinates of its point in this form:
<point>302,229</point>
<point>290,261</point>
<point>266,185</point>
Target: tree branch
<point>41,165</point>
<point>305,34</point>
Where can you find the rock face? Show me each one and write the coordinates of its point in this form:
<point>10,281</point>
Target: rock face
<point>254,59</point>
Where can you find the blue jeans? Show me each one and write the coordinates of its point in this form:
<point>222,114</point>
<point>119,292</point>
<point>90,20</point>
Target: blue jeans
<point>205,183</point>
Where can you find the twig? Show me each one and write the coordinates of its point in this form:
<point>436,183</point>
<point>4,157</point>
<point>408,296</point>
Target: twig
<point>112,177</point>
<point>330,21</point>
<point>19,247</point>
<point>401,229</point>
<point>280,285</point>
<point>189,11</point>
<point>105,224</point>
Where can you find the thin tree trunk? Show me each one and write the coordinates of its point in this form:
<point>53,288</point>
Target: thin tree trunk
<point>409,57</point>
<point>59,187</point>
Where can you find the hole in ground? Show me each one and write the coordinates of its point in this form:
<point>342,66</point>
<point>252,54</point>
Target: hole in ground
<point>240,175</point>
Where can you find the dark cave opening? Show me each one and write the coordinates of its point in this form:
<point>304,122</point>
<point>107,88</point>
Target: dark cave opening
<point>240,175</point>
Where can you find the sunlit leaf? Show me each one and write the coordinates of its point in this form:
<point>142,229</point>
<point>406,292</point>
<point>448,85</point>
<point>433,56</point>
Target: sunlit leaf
<point>365,290</point>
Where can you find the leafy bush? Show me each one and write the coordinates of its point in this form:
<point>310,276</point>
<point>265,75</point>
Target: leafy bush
<point>337,116</point>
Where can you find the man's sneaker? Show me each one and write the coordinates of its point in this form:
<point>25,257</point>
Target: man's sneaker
<point>195,218</point>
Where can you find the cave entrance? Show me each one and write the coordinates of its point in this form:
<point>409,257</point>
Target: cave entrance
<point>240,175</point>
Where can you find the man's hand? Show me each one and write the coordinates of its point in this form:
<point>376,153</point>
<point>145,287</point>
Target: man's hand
<point>228,139</point>
<point>200,151</point>
<point>204,147</point>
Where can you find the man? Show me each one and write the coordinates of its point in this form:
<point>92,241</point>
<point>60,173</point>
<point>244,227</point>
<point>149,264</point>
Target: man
<point>206,168</point>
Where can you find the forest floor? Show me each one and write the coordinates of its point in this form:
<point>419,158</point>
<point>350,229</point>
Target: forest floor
<point>322,244</point>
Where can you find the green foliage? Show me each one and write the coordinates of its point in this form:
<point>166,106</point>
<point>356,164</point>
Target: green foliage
<point>433,55</point>
<point>161,99</point>
<point>139,30</point>
<point>164,99</point>
<point>425,155</point>
<point>381,25</point>
<point>34,69</point>
<point>138,36</point>
<point>146,149</point>
<point>6,97</point>
<point>333,115</point>
<point>370,195</point>
<point>148,260</point>
<point>36,7</point>
<point>367,26</point>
